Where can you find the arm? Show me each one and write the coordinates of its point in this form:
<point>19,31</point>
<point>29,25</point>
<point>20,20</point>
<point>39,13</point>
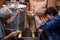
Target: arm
<point>38,20</point>
<point>8,13</point>
<point>50,25</point>
<point>13,34</point>
<point>6,37</point>
<point>13,17</point>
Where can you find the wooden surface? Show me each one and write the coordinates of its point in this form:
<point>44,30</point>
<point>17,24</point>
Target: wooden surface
<point>2,2</point>
<point>36,5</point>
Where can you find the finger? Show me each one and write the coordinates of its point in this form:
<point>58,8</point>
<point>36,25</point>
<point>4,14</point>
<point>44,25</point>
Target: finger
<point>17,30</point>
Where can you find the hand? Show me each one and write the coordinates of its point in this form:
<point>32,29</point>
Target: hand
<point>18,11</point>
<point>58,12</point>
<point>15,33</point>
<point>40,30</point>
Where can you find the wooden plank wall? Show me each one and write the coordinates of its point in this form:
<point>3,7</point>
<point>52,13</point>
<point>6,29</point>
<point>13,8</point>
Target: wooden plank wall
<point>36,5</point>
<point>52,3</point>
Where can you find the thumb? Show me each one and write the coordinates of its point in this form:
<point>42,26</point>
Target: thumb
<point>18,31</point>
